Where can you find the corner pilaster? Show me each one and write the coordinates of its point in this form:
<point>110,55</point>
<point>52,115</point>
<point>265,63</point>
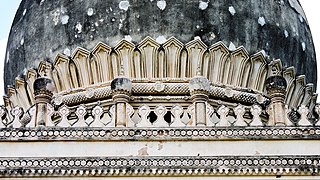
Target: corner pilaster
<point>43,92</point>
<point>276,88</point>
<point>121,91</point>
<point>199,89</point>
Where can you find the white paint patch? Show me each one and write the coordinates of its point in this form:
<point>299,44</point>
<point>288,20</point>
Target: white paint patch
<point>161,39</point>
<point>25,71</point>
<point>120,24</point>
<point>212,36</point>
<point>24,12</point>
<point>56,16</point>
<point>232,10</point>
<point>232,47</point>
<point>264,53</point>
<point>197,38</point>
<point>161,4</point>
<point>261,21</point>
<point>79,27</point>
<point>90,12</point>
<point>22,41</point>
<point>286,34</point>
<point>67,52</point>
<point>303,44</point>
<point>8,57</point>
<point>282,2</point>
<point>124,5</point>
<point>301,18</point>
<point>42,1</point>
<point>65,19</point>
<point>203,5</point>
<point>128,38</point>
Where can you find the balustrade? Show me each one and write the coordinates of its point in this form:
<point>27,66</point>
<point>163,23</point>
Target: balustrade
<point>149,115</point>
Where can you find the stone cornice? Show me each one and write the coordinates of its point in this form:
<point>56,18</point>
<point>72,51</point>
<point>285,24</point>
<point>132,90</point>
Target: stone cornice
<point>161,134</point>
<point>168,166</point>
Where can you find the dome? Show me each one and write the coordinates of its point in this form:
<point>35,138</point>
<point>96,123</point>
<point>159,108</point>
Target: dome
<point>42,29</point>
<point>170,89</point>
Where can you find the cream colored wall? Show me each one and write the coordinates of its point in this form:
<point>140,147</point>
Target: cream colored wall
<point>158,148</point>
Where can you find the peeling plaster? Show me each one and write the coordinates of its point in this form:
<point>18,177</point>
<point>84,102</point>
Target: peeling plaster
<point>128,38</point>
<point>161,4</point>
<point>65,19</point>
<point>232,10</point>
<point>143,152</point>
<point>203,5</point>
<point>24,12</point>
<point>124,5</point>
<point>261,21</point>
<point>232,47</point>
<point>67,52</point>
<point>303,44</point>
<point>161,39</point>
<point>78,27</point>
<point>22,41</point>
<point>286,34</point>
<point>90,12</point>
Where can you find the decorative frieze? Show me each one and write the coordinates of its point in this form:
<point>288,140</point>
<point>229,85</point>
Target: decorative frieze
<point>168,166</point>
<point>162,134</point>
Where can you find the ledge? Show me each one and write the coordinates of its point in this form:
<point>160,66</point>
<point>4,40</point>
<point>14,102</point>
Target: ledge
<point>163,134</point>
<point>161,166</point>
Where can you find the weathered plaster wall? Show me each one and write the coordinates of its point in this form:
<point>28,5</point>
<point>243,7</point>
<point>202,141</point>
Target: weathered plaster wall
<point>158,148</point>
<point>42,28</point>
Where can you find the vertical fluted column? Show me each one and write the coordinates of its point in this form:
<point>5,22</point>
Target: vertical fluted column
<point>199,89</point>
<point>43,91</point>
<point>276,88</point>
<point>121,90</point>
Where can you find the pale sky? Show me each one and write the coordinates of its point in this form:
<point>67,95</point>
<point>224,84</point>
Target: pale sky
<point>9,7</point>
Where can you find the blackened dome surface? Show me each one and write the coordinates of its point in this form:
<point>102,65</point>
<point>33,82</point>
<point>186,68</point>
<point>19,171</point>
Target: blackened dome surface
<point>44,28</point>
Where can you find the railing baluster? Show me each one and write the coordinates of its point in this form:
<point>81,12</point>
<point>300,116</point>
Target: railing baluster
<point>223,113</point>
<point>177,112</point>
<point>64,113</point>
<point>239,112</point>
<point>304,111</point>
<point>256,112</point>
<point>97,113</point>
<point>160,111</point>
<point>17,113</point>
<point>144,111</point>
